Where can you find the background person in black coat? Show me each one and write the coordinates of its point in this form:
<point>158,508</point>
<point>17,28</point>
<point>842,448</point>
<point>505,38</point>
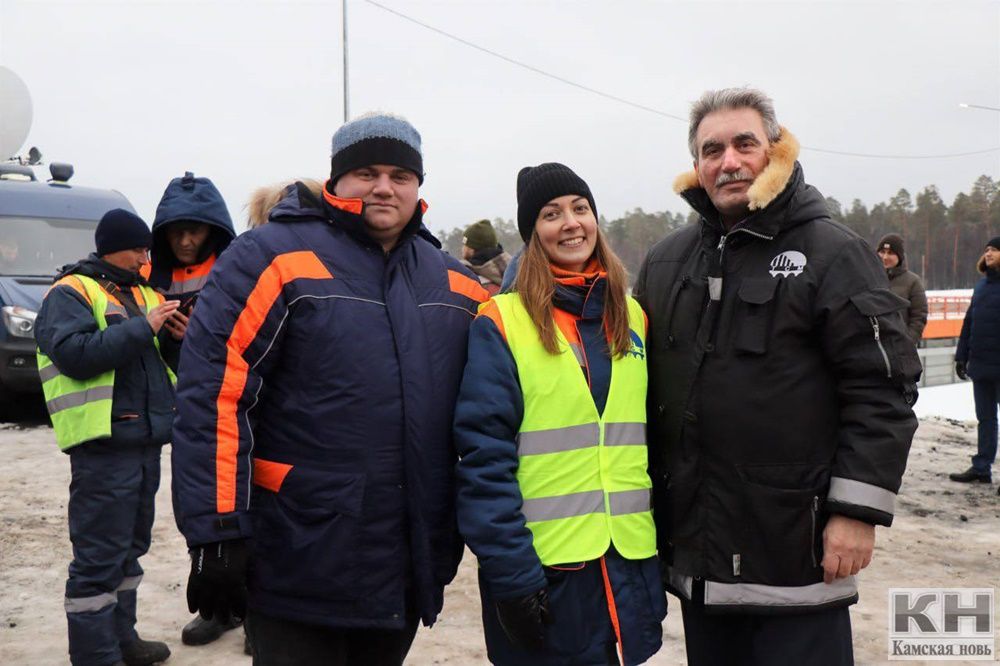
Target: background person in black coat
<point>978,358</point>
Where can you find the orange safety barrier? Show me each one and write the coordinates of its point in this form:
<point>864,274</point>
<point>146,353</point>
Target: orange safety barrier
<point>946,312</point>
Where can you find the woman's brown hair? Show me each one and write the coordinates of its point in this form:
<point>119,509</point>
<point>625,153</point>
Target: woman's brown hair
<point>536,286</point>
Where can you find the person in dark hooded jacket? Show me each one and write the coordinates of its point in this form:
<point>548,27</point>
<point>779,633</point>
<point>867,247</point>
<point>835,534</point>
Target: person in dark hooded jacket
<point>904,283</point>
<point>977,357</point>
<point>313,458</point>
<point>191,229</point>
<point>105,360</point>
<point>781,384</point>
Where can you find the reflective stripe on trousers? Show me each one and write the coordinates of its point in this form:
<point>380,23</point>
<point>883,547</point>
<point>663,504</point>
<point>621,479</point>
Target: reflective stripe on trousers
<point>99,601</point>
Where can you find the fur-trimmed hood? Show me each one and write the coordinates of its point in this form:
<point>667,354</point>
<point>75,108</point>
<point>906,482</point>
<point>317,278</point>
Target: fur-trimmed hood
<point>264,199</point>
<point>782,155</point>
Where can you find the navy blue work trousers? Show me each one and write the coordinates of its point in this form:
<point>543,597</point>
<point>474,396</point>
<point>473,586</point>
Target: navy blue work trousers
<point>111,500</point>
<point>987,394</point>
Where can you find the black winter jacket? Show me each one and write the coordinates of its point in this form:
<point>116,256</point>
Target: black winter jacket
<point>979,344</point>
<point>781,379</point>
<point>142,408</point>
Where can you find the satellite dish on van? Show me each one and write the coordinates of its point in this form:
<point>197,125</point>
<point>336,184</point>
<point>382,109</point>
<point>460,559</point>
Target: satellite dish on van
<point>15,113</point>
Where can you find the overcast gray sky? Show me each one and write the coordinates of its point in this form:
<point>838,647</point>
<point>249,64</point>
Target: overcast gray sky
<point>248,92</point>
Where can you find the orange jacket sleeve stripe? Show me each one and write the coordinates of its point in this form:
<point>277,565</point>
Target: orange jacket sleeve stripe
<point>283,269</point>
<point>466,286</point>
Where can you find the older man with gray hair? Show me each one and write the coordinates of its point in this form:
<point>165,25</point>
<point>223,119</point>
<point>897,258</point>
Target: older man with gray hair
<point>781,383</point>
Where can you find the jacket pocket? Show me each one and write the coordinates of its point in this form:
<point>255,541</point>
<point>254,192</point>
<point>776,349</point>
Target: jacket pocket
<point>881,309</point>
<point>576,594</point>
<point>753,318</point>
<point>306,533</point>
<point>781,534</point>
<point>683,310</point>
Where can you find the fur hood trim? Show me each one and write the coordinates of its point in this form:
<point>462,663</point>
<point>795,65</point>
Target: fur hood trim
<point>265,198</point>
<point>771,181</point>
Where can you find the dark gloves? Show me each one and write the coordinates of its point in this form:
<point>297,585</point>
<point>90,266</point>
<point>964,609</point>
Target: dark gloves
<point>524,619</point>
<point>217,584</point>
<point>960,370</point>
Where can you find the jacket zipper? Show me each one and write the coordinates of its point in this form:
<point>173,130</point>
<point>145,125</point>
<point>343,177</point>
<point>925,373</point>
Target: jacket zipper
<point>671,305</point>
<point>878,340</point>
<point>812,542</point>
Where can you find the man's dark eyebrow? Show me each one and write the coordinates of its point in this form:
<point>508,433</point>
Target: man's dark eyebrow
<point>746,136</point>
<point>710,143</point>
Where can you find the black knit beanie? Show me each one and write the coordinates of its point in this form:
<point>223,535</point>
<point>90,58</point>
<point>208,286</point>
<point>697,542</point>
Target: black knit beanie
<point>119,230</point>
<point>994,243</point>
<point>895,243</point>
<point>538,185</point>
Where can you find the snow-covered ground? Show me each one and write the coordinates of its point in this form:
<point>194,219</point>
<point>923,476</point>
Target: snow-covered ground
<point>953,401</point>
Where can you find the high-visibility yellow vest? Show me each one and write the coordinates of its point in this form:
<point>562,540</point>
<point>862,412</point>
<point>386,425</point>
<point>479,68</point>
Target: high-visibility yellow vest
<point>582,475</point>
<point>81,409</point>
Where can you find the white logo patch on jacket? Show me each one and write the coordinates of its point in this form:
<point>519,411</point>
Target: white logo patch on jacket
<point>788,263</point>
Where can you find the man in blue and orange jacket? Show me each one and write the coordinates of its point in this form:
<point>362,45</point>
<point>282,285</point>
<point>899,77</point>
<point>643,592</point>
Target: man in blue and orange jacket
<point>313,456</point>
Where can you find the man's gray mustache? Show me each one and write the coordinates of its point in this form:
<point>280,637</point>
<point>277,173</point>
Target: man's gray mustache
<point>738,176</point>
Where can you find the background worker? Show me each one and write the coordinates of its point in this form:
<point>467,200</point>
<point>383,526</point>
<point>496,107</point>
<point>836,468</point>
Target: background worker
<point>102,346</point>
<point>191,229</point>
<point>906,284</point>
<point>553,494</point>
<point>483,255</point>
<point>977,357</point>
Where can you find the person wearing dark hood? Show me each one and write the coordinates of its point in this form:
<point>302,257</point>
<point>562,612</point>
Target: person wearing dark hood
<point>483,255</point>
<point>781,383</point>
<point>191,229</point>
<point>978,358</point>
<point>904,283</point>
<point>313,457</point>
<point>106,361</point>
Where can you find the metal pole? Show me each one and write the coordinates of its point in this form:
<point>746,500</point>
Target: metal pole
<point>978,106</point>
<point>347,94</point>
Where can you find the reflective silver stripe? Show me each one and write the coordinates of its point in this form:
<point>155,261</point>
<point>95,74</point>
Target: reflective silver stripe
<point>193,284</point>
<point>563,506</point>
<point>48,372</point>
<point>116,310</point>
<point>129,583</point>
<point>862,494</point>
<point>753,594</point>
<point>558,439</point>
<point>681,583</point>
<point>623,434</point>
<point>578,352</point>
<point>78,398</point>
<point>629,501</point>
<point>89,604</point>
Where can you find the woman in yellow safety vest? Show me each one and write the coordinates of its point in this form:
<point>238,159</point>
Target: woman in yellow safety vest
<point>553,493</point>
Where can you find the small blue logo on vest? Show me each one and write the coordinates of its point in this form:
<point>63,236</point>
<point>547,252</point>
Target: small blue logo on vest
<point>637,350</point>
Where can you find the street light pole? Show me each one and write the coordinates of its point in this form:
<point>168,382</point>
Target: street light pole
<point>978,106</point>
<point>347,94</point>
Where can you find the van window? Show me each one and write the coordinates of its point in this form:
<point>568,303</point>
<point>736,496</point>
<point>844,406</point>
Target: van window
<point>38,246</point>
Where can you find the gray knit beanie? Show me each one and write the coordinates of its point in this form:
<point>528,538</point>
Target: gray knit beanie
<point>376,138</point>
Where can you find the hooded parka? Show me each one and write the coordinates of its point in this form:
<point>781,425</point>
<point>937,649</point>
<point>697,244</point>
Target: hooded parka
<point>316,394</point>
<point>187,199</point>
<point>781,380</point>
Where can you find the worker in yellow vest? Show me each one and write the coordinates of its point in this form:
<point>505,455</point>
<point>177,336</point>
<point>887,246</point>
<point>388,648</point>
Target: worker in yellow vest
<point>103,335</point>
<point>553,493</point>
